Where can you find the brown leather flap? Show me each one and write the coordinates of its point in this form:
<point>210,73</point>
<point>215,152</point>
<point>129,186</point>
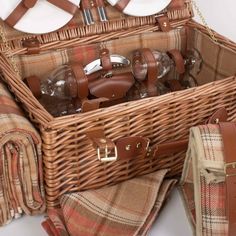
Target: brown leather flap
<point>112,88</point>
<point>218,116</point>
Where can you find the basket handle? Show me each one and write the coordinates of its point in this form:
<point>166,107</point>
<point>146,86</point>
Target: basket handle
<point>127,148</point>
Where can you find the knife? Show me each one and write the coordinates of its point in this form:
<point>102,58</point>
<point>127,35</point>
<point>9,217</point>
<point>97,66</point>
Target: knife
<point>116,60</point>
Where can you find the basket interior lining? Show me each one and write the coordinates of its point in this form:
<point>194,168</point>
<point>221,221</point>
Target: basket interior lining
<point>218,60</point>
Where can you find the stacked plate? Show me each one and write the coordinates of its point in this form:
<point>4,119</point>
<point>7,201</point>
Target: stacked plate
<point>45,17</point>
<point>143,7</point>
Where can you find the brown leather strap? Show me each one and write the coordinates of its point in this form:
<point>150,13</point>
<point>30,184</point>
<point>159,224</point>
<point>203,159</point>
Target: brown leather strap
<point>19,11</point>
<point>130,147</point>
<point>152,71</point>
<point>105,60</point>
<point>100,3</point>
<point>65,5</point>
<point>85,4</point>
<point>25,5</point>
<point>218,116</point>
<point>164,23</point>
<point>33,82</point>
<point>121,4</point>
<point>178,59</point>
<point>82,81</point>
<point>32,45</point>
<point>174,85</point>
<point>176,4</point>
<point>106,148</point>
<point>90,105</point>
<point>228,132</point>
<point>137,146</point>
<point>170,148</point>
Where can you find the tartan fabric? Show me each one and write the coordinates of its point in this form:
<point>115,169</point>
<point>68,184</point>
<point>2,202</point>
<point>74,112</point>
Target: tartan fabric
<point>203,181</point>
<point>48,61</point>
<point>128,208</point>
<point>218,60</point>
<point>21,177</point>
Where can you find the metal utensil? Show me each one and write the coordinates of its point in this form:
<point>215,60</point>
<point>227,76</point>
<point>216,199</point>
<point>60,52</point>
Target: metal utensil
<point>116,60</point>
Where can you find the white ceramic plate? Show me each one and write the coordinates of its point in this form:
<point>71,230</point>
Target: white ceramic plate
<point>143,7</point>
<point>42,18</point>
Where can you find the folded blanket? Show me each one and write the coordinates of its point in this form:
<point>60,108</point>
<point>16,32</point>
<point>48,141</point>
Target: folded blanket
<point>128,208</point>
<point>21,180</point>
<point>203,181</point>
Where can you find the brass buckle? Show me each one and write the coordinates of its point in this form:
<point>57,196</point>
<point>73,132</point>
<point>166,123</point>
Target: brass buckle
<point>107,152</point>
<point>232,165</point>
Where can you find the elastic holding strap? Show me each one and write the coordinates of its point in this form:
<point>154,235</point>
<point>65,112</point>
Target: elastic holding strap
<point>152,71</point>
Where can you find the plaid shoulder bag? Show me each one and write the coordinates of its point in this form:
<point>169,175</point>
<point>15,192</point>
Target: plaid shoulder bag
<point>209,179</point>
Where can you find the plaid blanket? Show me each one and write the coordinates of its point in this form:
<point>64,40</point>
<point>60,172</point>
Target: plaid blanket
<point>203,181</point>
<point>21,181</point>
<point>128,208</point>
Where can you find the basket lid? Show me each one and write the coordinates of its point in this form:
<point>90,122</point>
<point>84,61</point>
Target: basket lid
<point>95,18</point>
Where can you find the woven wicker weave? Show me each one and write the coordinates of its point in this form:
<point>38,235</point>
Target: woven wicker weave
<point>70,162</point>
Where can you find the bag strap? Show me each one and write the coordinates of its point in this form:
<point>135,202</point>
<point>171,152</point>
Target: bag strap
<point>228,131</point>
<point>25,5</point>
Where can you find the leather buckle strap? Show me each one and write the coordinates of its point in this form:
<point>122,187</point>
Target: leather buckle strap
<point>178,60</point>
<point>82,81</point>
<point>106,156</point>
<point>228,132</point>
<point>152,71</point>
<point>106,148</point>
<point>25,5</point>
<point>105,59</point>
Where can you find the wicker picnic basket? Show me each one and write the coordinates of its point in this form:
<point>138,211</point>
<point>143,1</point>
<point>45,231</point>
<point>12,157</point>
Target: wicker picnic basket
<point>70,161</point>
